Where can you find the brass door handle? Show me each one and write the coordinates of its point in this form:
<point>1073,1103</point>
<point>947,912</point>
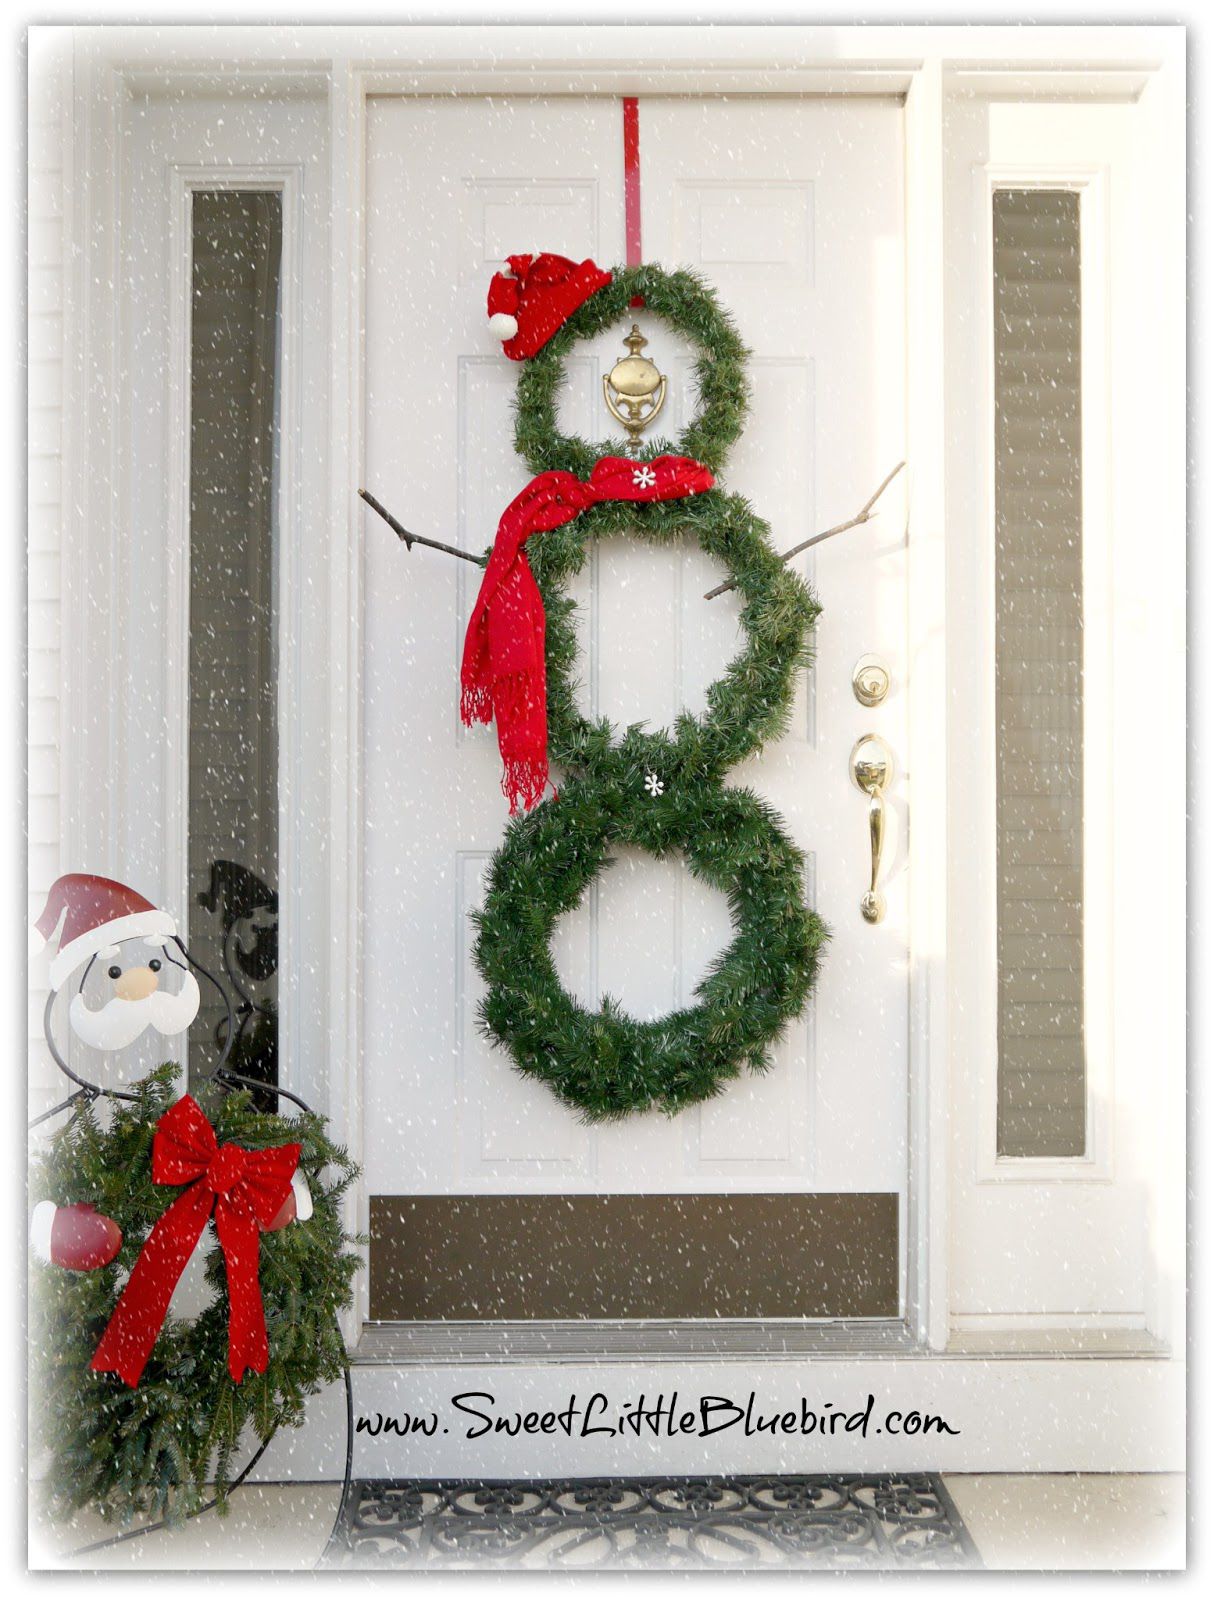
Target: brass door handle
<point>871,767</point>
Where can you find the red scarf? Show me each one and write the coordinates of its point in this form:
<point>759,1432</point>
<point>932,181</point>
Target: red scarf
<point>245,1189</point>
<point>503,674</point>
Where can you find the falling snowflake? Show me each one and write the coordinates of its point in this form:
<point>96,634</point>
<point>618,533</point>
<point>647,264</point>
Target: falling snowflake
<point>654,784</point>
<point>645,478</point>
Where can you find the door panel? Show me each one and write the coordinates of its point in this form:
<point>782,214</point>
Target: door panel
<point>793,210</point>
<point>517,1258</point>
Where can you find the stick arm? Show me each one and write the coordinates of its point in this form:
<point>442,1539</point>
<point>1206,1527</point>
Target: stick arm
<point>863,515</point>
<point>409,538</point>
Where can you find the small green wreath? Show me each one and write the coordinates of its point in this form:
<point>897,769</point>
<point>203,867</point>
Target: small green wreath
<point>685,303</point>
<point>156,1449</point>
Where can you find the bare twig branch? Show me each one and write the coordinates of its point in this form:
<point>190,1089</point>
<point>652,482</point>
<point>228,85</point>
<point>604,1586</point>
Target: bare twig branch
<point>863,515</point>
<point>410,539</point>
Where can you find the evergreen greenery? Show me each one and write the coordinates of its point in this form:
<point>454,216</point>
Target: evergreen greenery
<point>603,1062</point>
<point>685,303</point>
<point>752,700</point>
<point>155,1449</point>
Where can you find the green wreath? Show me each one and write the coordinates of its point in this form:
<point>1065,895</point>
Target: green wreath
<point>661,790</point>
<point>605,1062</point>
<point>685,303</point>
<point>157,1449</point>
<point>748,705</point>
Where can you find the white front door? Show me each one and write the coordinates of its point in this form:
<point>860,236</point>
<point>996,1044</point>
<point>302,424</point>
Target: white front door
<point>792,209</point>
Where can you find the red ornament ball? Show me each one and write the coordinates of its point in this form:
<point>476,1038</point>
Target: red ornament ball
<point>76,1237</point>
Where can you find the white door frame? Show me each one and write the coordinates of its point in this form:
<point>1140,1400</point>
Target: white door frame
<point>343,67</point>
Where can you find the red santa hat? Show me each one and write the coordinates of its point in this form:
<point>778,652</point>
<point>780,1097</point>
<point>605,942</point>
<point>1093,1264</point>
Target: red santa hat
<point>96,915</point>
<point>526,310</point>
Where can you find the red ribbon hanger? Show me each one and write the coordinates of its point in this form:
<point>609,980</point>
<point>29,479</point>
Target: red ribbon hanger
<point>244,1189</point>
<point>632,187</point>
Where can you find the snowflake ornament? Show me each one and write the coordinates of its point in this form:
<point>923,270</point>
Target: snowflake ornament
<point>644,477</point>
<point>654,784</point>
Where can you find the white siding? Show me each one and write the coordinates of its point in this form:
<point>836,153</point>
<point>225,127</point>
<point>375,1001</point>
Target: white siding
<point>49,156</point>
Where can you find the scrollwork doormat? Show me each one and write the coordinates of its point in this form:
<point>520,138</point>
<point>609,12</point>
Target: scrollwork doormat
<point>742,1523</point>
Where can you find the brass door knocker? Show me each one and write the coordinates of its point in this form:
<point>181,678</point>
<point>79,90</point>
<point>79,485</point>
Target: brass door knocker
<point>634,389</point>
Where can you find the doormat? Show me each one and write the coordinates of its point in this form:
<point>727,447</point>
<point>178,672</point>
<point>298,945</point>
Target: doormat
<point>819,1520</point>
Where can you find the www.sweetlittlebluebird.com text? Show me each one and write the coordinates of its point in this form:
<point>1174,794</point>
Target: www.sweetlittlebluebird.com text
<point>476,1413</point>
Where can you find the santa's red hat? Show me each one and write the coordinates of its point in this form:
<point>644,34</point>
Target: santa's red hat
<point>526,309</point>
<point>96,915</point>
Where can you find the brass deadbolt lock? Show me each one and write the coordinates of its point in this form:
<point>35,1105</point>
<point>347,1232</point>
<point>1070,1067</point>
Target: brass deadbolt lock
<point>870,681</point>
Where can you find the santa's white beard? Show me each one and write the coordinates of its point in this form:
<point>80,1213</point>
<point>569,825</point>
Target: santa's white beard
<point>120,1022</point>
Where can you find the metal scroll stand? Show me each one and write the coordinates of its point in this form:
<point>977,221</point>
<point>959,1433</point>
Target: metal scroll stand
<point>219,1073</point>
<point>240,896</point>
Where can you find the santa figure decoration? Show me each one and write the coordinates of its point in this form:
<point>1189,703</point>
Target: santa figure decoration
<point>93,920</point>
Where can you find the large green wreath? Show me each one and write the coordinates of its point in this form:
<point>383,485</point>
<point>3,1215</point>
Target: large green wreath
<point>605,1063</point>
<point>157,1449</point>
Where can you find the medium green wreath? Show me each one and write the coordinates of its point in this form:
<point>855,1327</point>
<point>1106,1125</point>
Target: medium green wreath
<point>603,1062</point>
<point>158,1449</point>
<point>752,700</point>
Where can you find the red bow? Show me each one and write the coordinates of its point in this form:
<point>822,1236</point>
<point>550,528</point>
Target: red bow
<point>503,674</point>
<point>246,1189</point>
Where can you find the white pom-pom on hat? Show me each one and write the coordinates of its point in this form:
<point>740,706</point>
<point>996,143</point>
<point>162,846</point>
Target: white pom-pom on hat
<point>502,325</point>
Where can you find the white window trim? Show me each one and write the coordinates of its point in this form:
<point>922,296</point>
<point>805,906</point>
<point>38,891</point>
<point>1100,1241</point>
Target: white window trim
<point>183,181</point>
<point>1116,155</point>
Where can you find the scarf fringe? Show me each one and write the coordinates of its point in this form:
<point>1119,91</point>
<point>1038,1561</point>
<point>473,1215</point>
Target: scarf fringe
<point>475,704</point>
<point>524,779</point>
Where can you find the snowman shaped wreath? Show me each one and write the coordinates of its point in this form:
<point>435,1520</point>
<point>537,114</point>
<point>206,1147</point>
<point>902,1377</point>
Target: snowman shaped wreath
<point>140,1409</point>
<point>662,790</point>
